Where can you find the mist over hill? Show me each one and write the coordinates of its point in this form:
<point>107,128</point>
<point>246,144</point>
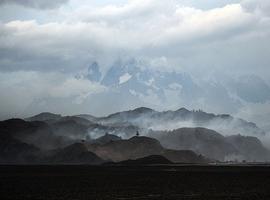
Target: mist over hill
<point>181,136</point>
<point>139,61</point>
<point>135,82</point>
<point>169,120</point>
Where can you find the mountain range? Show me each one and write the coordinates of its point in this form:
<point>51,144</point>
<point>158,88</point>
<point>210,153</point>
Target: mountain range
<point>213,144</point>
<point>151,119</point>
<point>127,84</point>
<point>137,82</point>
<point>130,135</point>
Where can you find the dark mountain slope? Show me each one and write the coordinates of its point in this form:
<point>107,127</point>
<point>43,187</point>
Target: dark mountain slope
<point>90,118</point>
<point>13,151</point>
<point>250,148</point>
<point>149,160</point>
<point>185,156</point>
<point>134,148</point>
<point>46,117</point>
<point>107,138</point>
<point>212,144</point>
<point>78,120</point>
<point>37,133</point>
<point>74,154</point>
<point>139,147</point>
<point>200,140</point>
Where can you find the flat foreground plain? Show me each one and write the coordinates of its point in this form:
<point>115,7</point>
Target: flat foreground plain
<point>136,182</point>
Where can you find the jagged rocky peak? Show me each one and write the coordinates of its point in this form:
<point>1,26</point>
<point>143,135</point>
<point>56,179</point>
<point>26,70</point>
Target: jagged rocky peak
<point>120,72</point>
<point>94,73</point>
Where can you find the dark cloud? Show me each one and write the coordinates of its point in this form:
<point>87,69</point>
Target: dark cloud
<point>262,6</point>
<point>38,4</point>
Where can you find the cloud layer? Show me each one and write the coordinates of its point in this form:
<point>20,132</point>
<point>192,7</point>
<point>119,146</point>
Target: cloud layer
<point>39,4</point>
<point>138,28</point>
<point>213,42</point>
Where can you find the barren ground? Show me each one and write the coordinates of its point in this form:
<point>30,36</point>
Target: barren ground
<point>149,182</point>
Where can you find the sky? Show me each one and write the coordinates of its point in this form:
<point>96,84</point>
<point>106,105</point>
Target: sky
<point>46,45</point>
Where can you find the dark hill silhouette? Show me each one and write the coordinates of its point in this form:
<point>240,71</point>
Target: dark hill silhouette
<point>13,151</point>
<point>250,148</point>
<point>105,139</point>
<point>200,140</point>
<point>185,156</point>
<point>53,131</point>
<point>90,118</point>
<point>37,133</point>
<point>74,154</point>
<point>78,120</point>
<point>139,147</point>
<point>149,160</point>
<point>212,144</point>
<point>134,148</point>
<point>45,116</point>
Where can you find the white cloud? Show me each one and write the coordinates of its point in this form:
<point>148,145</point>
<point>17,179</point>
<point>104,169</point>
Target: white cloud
<point>75,87</point>
<point>20,89</point>
<point>193,24</point>
<point>135,28</point>
<point>258,6</point>
<point>174,34</point>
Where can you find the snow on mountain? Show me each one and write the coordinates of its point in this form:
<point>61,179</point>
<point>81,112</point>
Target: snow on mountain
<point>124,78</point>
<point>149,85</point>
<point>134,83</point>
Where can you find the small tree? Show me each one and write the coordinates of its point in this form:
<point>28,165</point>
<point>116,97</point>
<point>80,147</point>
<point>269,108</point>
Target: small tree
<point>137,134</point>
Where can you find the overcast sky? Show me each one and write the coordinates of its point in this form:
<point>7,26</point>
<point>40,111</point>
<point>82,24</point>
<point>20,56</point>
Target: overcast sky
<point>44,44</point>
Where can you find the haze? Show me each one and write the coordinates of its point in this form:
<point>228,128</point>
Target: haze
<point>56,56</point>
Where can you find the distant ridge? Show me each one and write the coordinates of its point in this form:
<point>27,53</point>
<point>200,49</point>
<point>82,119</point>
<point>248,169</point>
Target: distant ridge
<point>45,116</point>
<point>146,117</point>
<point>181,136</point>
<point>87,116</point>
